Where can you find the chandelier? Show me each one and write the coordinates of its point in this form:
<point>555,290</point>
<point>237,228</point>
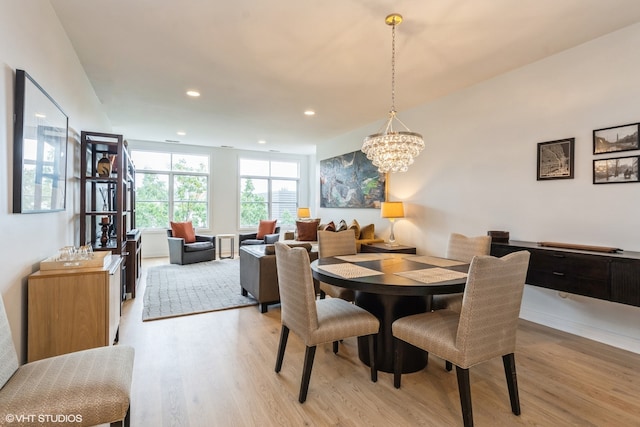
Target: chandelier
<point>393,150</point>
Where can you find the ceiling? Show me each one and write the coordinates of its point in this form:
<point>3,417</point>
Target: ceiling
<point>260,64</point>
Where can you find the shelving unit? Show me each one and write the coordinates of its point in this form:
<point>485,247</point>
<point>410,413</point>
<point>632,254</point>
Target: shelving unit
<point>107,201</point>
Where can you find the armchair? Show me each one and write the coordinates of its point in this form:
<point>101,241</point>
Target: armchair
<point>251,238</point>
<point>203,249</point>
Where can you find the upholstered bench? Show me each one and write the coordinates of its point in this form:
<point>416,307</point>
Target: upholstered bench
<point>83,388</point>
<point>258,273</point>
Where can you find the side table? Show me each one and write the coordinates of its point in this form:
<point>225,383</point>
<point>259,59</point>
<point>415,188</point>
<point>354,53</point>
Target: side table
<point>384,247</point>
<point>232,238</point>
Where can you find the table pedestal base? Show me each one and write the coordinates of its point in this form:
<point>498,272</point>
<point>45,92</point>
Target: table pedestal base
<point>388,308</point>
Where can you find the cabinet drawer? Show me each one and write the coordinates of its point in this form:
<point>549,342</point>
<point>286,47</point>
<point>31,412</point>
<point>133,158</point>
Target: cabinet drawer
<point>570,265</point>
<point>559,281</point>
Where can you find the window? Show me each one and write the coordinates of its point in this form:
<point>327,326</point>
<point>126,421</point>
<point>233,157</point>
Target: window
<point>268,190</point>
<point>171,187</point>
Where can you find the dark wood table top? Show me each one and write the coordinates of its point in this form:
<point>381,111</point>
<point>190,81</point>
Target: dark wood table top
<point>390,283</point>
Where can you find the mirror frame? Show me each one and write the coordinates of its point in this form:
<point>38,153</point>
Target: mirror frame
<point>40,137</point>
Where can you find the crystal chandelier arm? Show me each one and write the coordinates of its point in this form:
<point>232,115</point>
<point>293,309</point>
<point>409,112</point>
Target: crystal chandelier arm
<point>402,123</point>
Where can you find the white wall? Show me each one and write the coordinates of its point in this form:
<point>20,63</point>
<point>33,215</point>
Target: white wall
<point>32,39</point>
<point>478,171</point>
<point>224,190</point>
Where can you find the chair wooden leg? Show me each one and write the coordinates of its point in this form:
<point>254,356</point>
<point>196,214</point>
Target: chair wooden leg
<point>509,362</point>
<point>397,362</point>
<point>335,347</point>
<point>465,396</point>
<point>125,422</point>
<point>448,365</point>
<point>284,335</point>
<point>372,357</point>
<point>309,354</point>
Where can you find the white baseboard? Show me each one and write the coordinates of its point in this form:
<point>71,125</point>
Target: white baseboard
<point>581,329</point>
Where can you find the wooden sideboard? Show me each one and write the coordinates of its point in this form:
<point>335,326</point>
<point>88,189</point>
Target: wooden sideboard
<point>73,310</point>
<point>607,276</point>
<point>134,262</point>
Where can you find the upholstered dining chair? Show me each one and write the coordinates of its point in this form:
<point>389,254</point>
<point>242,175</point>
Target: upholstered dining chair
<point>485,327</point>
<point>90,386</point>
<point>330,244</point>
<point>461,248</point>
<point>316,322</point>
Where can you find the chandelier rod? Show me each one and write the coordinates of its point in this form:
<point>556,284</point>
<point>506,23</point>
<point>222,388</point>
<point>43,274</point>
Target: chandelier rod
<point>393,65</point>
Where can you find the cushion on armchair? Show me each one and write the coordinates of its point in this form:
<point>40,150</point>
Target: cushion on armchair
<point>266,227</point>
<point>183,230</point>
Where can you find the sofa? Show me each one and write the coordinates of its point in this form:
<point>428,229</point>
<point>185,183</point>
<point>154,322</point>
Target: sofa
<point>259,275</point>
<point>364,235</point>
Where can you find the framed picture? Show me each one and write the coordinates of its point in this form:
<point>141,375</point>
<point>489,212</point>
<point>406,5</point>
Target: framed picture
<point>614,139</point>
<point>616,170</point>
<point>555,159</point>
<point>351,181</point>
<point>39,149</point>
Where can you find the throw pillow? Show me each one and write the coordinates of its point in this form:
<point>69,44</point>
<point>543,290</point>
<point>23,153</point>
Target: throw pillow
<point>183,230</point>
<point>342,225</point>
<point>329,227</point>
<point>307,230</point>
<point>266,227</point>
<point>356,228</point>
<point>367,232</point>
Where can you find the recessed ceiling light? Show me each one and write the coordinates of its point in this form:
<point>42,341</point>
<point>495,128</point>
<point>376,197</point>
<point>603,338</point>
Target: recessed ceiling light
<point>181,133</point>
<point>309,113</point>
<point>193,93</point>
<point>262,141</point>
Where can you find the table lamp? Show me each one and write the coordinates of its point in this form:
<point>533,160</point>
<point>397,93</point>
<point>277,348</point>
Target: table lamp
<point>304,213</point>
<point>392,210</point>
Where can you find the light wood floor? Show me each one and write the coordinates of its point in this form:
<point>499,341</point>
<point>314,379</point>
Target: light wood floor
<point>217,369</point>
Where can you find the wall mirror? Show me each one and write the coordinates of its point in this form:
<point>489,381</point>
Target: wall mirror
<point>39,149</point>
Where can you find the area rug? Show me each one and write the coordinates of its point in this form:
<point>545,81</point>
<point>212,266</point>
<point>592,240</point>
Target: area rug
<point>179,290</point>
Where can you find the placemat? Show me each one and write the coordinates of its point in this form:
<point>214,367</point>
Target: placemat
<point>440,262</point>
<point>432,275</point>
<point>365,257</point>
<point>349,271</point>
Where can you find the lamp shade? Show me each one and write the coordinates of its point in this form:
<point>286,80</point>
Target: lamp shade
<point>392,210</point>
<point>304,213</point>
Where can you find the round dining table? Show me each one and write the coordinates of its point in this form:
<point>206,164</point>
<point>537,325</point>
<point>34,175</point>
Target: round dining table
<point>391,286</point>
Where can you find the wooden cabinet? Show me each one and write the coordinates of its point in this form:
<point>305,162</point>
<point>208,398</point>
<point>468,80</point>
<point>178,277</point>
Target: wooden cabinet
<point>608,276</point>
<point>107,198</point>
<point>73,310</point>
<point>134,260</point>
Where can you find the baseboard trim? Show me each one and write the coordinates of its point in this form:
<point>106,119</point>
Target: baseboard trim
<point>581,329</point>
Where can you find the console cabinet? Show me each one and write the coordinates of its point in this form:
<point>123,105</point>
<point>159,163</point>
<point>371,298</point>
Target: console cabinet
<point>134,259</point>
<point>73,310</point>
<point>607,276</point>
